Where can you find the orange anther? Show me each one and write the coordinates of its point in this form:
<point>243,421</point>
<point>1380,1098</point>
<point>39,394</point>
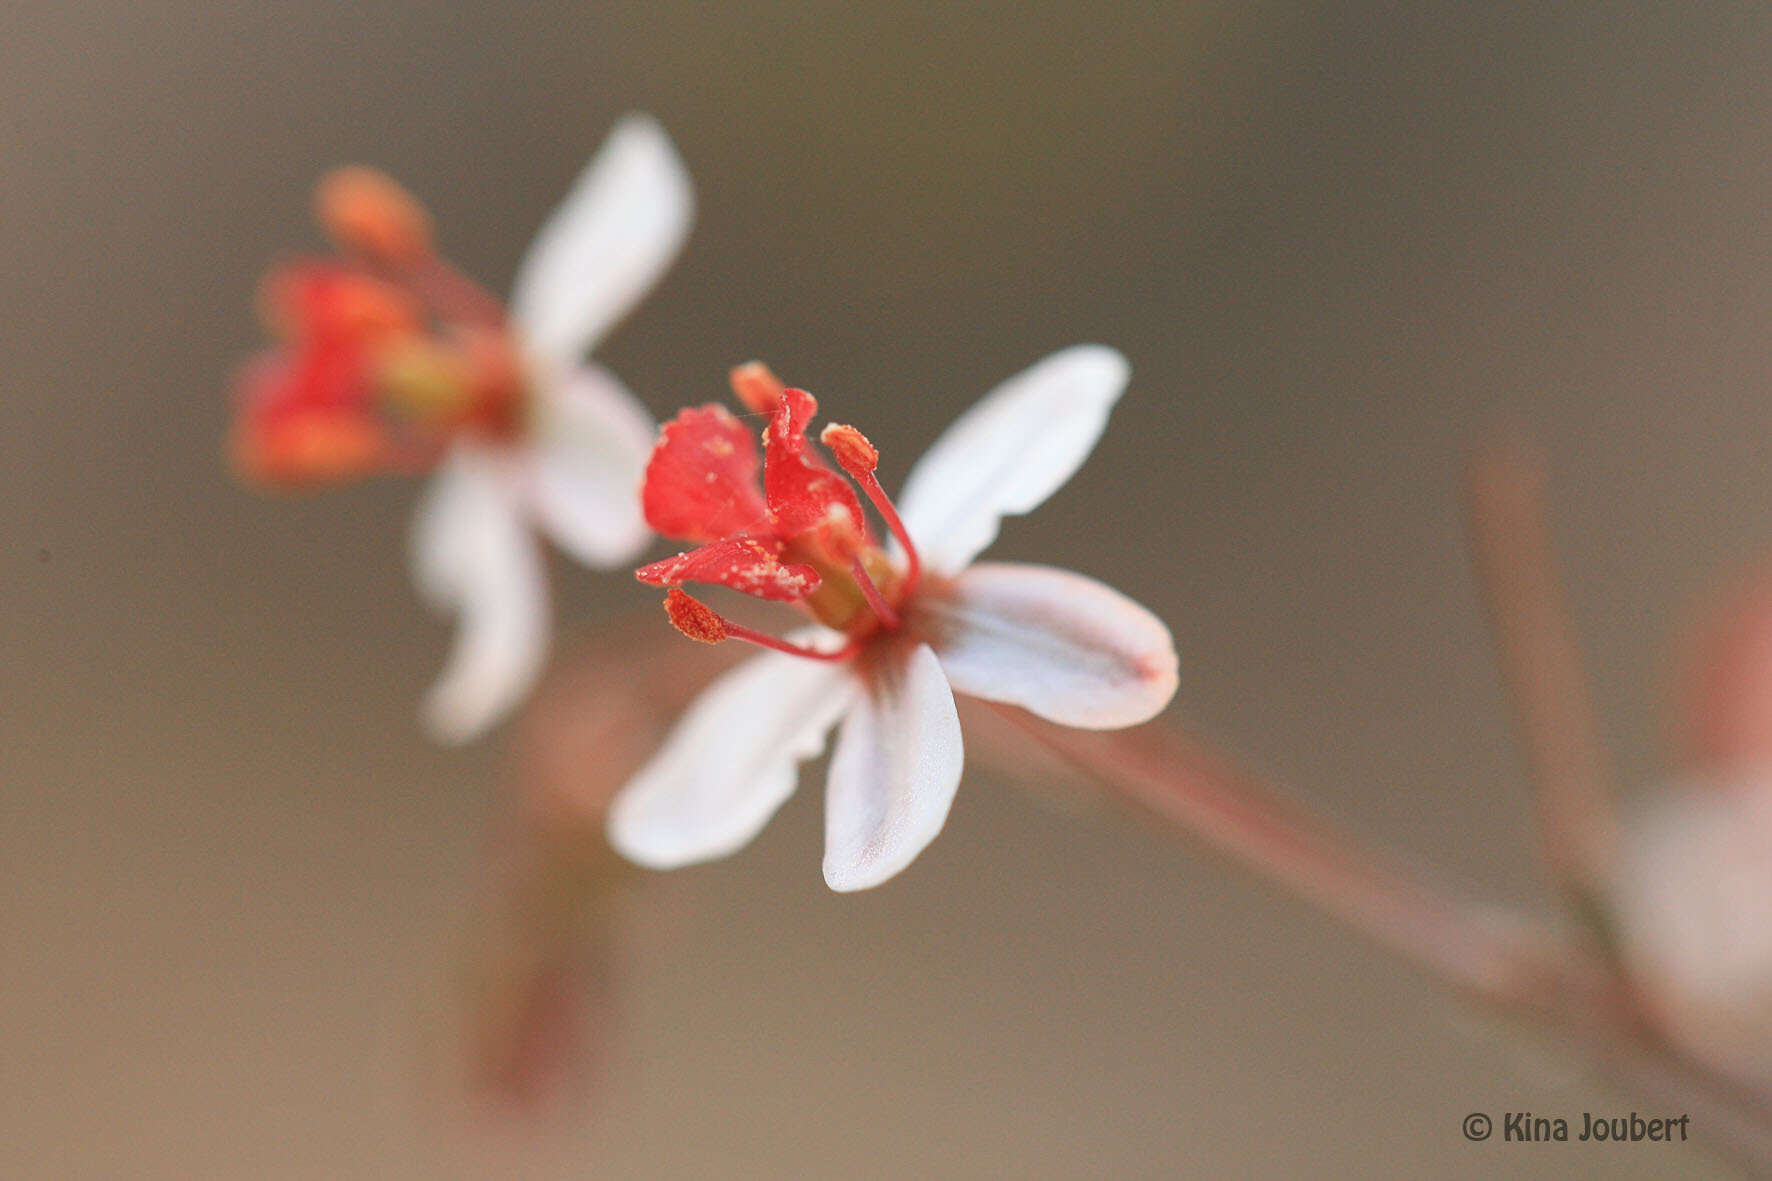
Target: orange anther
<point>369,213</point>
<point>853,451</point>
<point>755,386</point>
<point>694,619</point>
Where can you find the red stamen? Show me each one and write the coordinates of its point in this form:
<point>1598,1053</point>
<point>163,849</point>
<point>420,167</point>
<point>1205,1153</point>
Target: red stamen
<point>693,618</point>
<point>367,212</point>
<point>739,631</point>
<point>701,622</point>
<point>453,295</point>
<point>858,457</point>
<point>882,610</point>
<point>755,386</point>
<point>371,216</point>
<point>853,451</point>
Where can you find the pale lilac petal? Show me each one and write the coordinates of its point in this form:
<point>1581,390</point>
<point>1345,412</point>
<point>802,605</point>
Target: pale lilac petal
<point>1009,452</point>
<point>731,761</point>
<point>1055,643</point>
<point>606,244</point>
<point>592,439</point>
<point>894,773</point>
<point>473,557</point>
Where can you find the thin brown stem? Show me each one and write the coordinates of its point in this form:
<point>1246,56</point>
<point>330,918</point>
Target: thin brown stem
<point>1553,710</point>
<point>1179,780</point>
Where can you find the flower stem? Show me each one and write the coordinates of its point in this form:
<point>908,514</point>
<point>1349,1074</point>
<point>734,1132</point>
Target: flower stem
<point>1553,710</point>
<point>1178,779</point>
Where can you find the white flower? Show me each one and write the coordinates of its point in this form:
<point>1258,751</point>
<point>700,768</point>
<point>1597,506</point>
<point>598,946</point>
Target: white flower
<point>390,360</point>
<point>572,475</point>
<point>900,633</point>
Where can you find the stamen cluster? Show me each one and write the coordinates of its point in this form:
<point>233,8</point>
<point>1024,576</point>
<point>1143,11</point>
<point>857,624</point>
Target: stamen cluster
<point>385,353</point>
<point>780,526</point>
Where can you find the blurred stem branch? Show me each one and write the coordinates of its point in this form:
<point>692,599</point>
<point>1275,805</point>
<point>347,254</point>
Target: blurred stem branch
<point>1540,662</point>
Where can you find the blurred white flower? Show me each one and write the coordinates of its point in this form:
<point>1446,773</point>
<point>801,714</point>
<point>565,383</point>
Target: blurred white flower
<point>393,361</point>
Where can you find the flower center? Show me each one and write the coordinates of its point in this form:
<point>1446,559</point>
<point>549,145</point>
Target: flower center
<point>386,354</point>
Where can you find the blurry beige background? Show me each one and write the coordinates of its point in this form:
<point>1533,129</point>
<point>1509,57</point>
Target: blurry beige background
<point>1338,242</point>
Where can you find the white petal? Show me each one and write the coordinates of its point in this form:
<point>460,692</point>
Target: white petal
<point>592,441</point>
<point>1056,643</point>
<point>894,774</point>
<point>731,761</point>
<point>473,556</point>
<point>607,243</point>
<point>1009,452</point>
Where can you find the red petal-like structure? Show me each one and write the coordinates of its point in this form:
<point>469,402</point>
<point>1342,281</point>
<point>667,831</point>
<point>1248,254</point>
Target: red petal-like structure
<point>802,493</point>
<point>318,299</point>
<point>750,565</point>
<point>701,483</point>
